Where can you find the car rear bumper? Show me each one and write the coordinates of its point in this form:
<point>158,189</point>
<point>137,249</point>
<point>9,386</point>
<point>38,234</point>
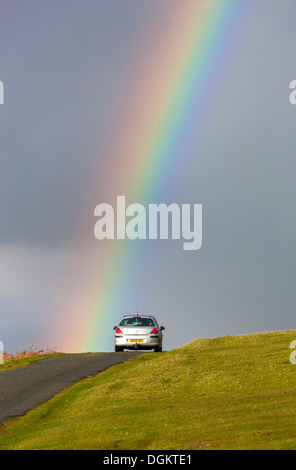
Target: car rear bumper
<point>134,342</point>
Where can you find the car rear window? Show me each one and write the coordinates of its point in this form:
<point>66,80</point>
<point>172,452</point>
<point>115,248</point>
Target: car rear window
<point>136,321</point>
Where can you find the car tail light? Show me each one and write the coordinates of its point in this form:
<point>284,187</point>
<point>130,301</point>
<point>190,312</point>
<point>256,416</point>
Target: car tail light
<point>118,331</point>
<point>154,331</point>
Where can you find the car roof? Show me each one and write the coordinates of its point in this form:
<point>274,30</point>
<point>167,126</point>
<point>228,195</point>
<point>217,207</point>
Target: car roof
<point>140,316</point>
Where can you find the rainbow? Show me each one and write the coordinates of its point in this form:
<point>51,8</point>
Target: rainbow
<point>178,78</point>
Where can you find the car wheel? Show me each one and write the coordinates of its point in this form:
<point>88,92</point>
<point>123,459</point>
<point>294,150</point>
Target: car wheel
<point>158,349</point>
<point>118,348</point>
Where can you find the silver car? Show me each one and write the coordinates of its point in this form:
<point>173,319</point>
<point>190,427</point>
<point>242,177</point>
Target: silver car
<point>138,332</point>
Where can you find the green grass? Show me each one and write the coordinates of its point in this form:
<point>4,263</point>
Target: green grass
<point>25,361</point>
<point>233,392</point>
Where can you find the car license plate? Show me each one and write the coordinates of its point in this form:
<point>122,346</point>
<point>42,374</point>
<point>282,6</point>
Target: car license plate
<point>136,340</point>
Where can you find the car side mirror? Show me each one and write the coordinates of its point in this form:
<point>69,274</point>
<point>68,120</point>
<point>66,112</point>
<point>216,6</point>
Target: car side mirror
<point>114,327</point>
<point>162,328</point>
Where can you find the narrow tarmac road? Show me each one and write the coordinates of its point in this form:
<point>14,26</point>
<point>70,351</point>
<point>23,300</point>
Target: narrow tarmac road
<point>25,388</point>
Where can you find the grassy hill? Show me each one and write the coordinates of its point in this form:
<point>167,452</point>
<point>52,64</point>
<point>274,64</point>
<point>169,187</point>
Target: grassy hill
<point>233,392</point>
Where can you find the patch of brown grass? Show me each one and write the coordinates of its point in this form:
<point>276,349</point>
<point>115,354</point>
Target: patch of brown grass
<point>32,351</point>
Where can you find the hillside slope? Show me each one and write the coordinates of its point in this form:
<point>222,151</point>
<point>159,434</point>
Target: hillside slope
<point>233,392</point>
